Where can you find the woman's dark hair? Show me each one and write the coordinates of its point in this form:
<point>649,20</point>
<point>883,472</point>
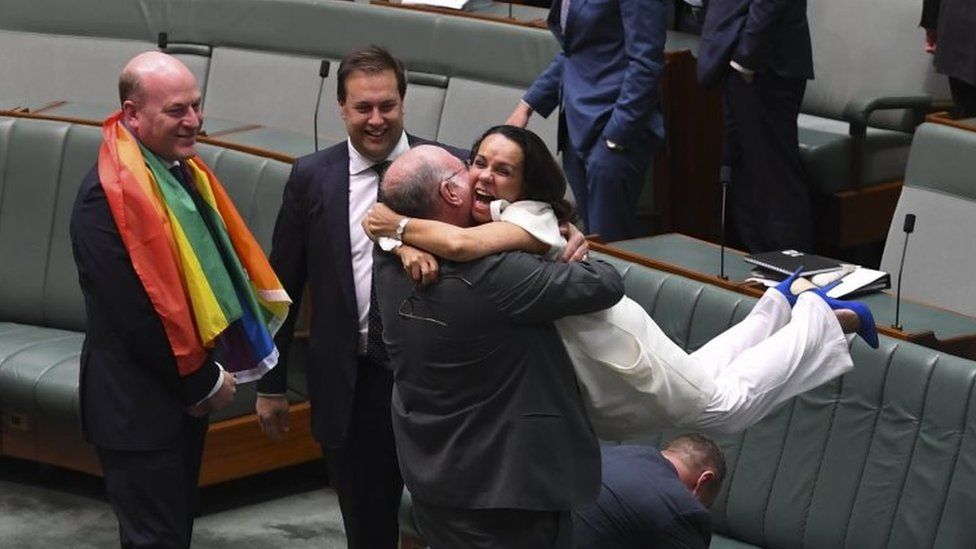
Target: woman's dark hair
<point>543,179</point>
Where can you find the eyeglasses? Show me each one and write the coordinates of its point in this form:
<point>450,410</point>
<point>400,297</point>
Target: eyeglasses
<point>411,300</point>
<point>457,173</point>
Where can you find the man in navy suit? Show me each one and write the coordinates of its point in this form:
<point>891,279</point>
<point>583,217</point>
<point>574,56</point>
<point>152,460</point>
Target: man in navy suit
<point>605,80</point>
<point>318,240</point>
<point>654,499</point>
<point>760,51</point>
<point>146,420</point>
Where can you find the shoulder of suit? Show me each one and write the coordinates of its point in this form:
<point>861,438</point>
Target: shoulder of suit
<point>330,154</point>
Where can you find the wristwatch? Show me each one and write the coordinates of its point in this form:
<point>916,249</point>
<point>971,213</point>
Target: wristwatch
<point>613,145</point>
<point>401,226</point>
<point>390,243</point>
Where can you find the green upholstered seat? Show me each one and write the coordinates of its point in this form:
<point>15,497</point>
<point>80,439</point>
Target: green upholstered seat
<point>940,190</point>
<point>825,149</point>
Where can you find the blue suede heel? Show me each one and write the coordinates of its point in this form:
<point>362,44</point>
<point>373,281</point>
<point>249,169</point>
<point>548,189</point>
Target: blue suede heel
<point>868,330</point>
<point>784,286</point>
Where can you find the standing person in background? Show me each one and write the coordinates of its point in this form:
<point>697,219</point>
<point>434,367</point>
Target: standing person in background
<point>171,279</point>
<point>652,498</point>
<point>606,83</point>
<point>949,34</point>
<point>761,54</point>
<point>318,239</point>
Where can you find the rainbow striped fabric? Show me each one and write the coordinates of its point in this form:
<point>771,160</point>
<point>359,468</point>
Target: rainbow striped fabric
<point>212,287</point>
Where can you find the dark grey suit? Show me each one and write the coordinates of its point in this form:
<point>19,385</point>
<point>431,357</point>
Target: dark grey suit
<point>955,53</point>
<point>486,410</point>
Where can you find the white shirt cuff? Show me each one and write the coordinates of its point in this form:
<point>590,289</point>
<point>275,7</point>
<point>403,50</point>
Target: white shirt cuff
<point>740,68</point>
<point>216,387</point>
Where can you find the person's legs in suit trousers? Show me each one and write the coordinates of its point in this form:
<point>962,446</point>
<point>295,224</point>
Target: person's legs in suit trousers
<point>964,97</point>
<point>154,493</point>
<point>452,528</point>
<point>607,185</point>
<point>769,197</point>
<point>364,472</point>
<point>575,171</point>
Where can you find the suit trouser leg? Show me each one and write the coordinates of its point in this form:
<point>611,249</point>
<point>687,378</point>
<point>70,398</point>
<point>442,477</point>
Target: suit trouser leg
<point>964,97</point>
<point>453,528</point>
<point>615,180</point>
<point>575,170</point>
<point>769,197</point>
<point>364,471</point>
<point>154,493</point>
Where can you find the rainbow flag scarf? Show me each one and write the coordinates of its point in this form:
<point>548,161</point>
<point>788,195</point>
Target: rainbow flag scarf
<point>212,290</point>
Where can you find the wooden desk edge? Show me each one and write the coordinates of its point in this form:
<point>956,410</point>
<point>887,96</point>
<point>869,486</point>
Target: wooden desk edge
<point>751,290</point>
<point>256,151</point>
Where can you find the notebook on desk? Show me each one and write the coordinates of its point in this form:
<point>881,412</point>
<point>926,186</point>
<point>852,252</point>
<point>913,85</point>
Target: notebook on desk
<point>787,261</point>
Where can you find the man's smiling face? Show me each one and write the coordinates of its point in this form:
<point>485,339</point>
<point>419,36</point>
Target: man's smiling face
<point>373,112</point>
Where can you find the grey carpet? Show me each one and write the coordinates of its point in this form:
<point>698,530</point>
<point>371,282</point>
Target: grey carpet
<point>42,506</point>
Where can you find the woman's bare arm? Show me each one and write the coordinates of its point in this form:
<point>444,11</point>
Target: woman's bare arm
<point>452,242</point>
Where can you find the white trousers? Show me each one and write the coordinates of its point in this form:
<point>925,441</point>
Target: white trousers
<point>636,381</point>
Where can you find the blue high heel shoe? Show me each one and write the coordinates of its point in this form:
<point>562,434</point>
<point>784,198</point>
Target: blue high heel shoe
<point>784,286</point>
<point>868,330</point>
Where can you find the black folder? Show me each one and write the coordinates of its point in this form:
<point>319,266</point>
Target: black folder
<point>787,261</point>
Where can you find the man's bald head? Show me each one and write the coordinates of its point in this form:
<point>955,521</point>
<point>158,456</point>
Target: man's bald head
<point>429,182</point>
<point>149,63</point>
<point>161,104</point>
<point>700,464</point>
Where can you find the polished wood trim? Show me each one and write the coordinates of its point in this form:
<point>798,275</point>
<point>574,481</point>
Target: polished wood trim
<point>49,106</point>
<point>256,151</point>
<point>535,23</point>
<point>34,114</point>
<point>238,129</point>
<point>856,216</point>
<point>943,118</point>
<point>235,448</point>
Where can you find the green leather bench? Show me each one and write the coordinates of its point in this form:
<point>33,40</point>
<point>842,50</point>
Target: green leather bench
<point>882,457</point>
<point>42,317</point>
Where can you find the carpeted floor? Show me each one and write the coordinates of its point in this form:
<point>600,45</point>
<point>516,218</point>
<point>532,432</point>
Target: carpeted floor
<point>42,506</point>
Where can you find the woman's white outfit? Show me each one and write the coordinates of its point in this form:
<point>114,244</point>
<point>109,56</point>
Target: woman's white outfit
<point>636,381</point>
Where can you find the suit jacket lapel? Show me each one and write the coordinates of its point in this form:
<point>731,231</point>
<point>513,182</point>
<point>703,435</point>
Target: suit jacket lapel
<point>335,200</point>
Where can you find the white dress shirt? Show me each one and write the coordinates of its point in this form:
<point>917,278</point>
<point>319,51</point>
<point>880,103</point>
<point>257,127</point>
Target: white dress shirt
<point>362,195</point>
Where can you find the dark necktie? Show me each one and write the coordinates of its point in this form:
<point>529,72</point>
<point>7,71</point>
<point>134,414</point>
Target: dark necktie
<point>380,169</point>
<point>177,172</point>
<point>563,15</point>
<point>375,349</point>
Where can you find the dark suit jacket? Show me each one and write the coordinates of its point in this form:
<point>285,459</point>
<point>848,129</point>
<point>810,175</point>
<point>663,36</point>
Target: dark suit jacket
<point>311,245</point>
<point>769,36</point>
<point>486,410</point>
<point>606,76</point>
<point>955,21</point>
<point>642,504</point>
<point>132,396</point>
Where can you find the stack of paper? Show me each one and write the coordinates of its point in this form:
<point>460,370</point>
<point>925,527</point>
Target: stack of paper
<point>468,5</point>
